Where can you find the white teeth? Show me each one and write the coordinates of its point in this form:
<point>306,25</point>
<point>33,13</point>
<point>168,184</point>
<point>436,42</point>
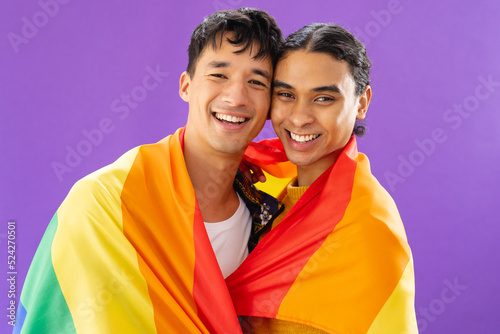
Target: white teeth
<point>302,139</point>
<point>228,118</point>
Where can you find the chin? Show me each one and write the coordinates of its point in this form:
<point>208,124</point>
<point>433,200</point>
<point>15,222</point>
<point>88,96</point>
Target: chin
<point>301,162</point>
<point>229,148</point>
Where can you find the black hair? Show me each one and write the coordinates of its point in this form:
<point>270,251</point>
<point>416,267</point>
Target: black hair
<point>247,24</point>
<point>339,43</point>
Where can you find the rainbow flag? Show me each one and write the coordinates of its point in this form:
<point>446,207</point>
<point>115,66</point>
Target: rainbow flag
<point>339,261</point>
<point>127,252</point>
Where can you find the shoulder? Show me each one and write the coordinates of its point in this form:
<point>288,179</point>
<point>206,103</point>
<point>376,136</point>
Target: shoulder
<point>372,198</point>
<point>105,185</point>
<point>111,178</point>
<point>371,220</point>
<point>107,180</point>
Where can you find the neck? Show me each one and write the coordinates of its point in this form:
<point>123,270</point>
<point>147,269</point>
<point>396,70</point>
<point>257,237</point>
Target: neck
<point>212,175</point>
<point>306,175</point>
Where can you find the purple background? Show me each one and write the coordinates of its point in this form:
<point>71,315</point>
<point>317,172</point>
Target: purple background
<point>428,58</point>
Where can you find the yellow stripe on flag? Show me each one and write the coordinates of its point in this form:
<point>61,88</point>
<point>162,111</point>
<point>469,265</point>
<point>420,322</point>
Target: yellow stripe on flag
<point>391,318</point>
<point>89,248</point>
<point>273,185</point>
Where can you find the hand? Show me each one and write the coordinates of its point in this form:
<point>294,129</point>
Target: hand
<point>253,172</point>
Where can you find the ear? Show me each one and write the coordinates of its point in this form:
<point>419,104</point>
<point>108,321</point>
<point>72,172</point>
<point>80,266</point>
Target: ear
<point>364,102</point>
<point>184,84</point>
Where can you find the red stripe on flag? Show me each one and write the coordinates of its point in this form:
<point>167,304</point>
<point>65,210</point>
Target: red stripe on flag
<point>260,284</point>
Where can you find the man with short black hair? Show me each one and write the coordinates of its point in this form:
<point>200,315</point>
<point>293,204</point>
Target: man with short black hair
<point>136,246</point>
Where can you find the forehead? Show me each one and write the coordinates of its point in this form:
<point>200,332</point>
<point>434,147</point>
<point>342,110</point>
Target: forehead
<point>307,70</point>
<point>225,51</point>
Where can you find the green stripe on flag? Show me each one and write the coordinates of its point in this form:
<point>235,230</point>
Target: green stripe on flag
<point>46,308</point>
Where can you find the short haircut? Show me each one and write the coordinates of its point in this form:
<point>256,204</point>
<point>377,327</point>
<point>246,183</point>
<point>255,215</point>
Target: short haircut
<point>340,44</point>
<point>248,26</point>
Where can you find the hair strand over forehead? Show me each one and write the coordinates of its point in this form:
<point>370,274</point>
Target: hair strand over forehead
<point>337,42</point>
<point>247,26</point>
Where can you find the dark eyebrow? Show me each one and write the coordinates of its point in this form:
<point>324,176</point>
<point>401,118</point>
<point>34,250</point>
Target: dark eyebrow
<point>222,64</point>
<point>263,73</point>
<point>218,64</point>
<point>281,84</point>
<point>331,89</point>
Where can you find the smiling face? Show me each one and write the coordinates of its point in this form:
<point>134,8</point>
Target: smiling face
<point>229,97</point>
<point>314,108</point>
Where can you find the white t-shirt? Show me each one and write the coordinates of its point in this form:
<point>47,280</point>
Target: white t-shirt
<point>229,239</point>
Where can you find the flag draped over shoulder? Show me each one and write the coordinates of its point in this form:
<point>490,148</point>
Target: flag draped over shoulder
<point>339,260</point>
<point>127,252</point>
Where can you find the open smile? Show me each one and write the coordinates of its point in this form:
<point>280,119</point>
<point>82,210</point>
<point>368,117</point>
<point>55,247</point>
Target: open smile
<point>228,119</point>
<point>302,139</point>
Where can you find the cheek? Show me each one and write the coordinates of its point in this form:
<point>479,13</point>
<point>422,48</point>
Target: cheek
<point>278,111</point>
<point>339,119</point>
<point>260,103</point>
<point>276,117</point>
<point>209,89</point>
<point>198,94</point>
<point>264,100</point>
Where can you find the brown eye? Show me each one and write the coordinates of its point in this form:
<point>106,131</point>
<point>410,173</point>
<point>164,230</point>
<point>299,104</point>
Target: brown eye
<point>257,82</point>
<point>287,95</point>
<point>217,75</point>
<point>324,99</point>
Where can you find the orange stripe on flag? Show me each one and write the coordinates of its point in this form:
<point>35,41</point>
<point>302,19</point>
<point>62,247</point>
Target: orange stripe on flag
<point>163,222</point>
<point>162,233</point>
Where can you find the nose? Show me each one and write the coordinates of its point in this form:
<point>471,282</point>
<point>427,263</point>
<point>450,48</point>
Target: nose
<point>235,93</point>
<point>300,114</point>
